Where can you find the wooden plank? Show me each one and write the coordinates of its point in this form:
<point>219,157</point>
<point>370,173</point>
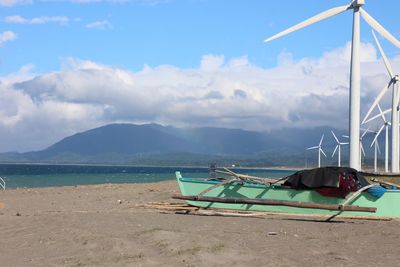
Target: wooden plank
<point>182,208</point>
<point>255,201</point>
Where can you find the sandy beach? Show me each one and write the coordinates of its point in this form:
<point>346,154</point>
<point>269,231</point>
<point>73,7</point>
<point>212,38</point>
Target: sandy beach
<point>89,226</point>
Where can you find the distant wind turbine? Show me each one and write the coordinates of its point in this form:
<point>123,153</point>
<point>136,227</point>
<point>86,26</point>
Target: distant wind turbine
<point>394,78</point>
<point>386,126</point>
<point>362,151</point>
<point>338,147</point>
<point>319,150</point>
<point>376,149</point>
<point>355,77</point>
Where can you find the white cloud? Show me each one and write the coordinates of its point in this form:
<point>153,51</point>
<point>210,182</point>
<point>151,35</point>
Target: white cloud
<point>211,62</point>
<point>99,25</point>
<point>224,93</point>
<point>7,36</point>
<point>16,19</point>
<point>10,3</point>
<point>25,73</point>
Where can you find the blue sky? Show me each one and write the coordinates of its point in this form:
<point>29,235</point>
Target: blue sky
<point>176,32</point>
<point>68,66</point>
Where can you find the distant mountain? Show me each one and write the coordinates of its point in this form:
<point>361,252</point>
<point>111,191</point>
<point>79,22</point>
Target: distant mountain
<point>153,144</point>
<point>120,139</point>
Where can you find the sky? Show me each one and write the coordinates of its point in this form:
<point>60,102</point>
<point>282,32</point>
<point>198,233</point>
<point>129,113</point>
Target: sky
<point>70,65</point>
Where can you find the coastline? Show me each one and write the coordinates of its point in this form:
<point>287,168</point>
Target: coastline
<point>102,225</point>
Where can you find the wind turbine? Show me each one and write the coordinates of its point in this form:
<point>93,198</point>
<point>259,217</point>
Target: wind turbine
<point>338,147</point>
<point>394,78</point>
<point>355,77</point>
<point>362,151</point>
<point>386,126</point>
<point>319,150</point>
<point>376,148</point>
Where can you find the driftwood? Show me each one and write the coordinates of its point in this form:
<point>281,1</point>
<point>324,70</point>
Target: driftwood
<point>167,206</point>
<point>385,183</point>
<point>296,204</point>
<point>185,209</point>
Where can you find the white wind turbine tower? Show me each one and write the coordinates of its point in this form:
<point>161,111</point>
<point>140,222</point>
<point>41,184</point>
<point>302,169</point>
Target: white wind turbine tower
<point>394,78</point>
<point>338,147</point>
<point>361,147</point>
<point>354,114</point>
<point>386,126</point>
<point>376,149</point>
<point>319,150</point>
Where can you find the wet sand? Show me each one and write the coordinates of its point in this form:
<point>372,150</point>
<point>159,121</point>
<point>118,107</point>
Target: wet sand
<point>89,226</point>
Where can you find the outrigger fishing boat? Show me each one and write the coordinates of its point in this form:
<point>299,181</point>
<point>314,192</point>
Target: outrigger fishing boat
<point>328,191</point>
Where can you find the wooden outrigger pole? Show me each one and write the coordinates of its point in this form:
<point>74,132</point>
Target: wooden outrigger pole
<point>257,201</point>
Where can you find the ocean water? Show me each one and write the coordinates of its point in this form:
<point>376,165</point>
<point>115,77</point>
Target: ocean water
<point>40,175</point>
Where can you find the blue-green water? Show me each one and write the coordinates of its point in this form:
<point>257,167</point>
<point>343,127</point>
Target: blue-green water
<point>35,175</point>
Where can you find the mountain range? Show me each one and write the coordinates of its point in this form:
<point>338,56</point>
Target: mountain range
<point>154,144</point>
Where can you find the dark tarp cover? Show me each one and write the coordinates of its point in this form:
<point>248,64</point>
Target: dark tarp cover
<point>323,177</point>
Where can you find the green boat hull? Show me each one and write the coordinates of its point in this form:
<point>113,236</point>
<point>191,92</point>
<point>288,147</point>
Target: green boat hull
<point>387,205</point>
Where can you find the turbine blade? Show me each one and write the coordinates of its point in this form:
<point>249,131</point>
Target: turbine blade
<point>383,116</point>
<point>334,151</point>
<point>380,130</point>
<point>313,147</point>
<point>366,131</point>
<point>384,58</point>
<point>379,115</point>
<point>362,149</point>
<point>334,136</point>
<point>377,135</point>
<point>322,138</point>
<point>322,152</point>
<point>321,16</point>
<point>377,100</point>
<point>345,136</point>
<point>377,146</point>
<point>342,144</point>
<point>377,27</point>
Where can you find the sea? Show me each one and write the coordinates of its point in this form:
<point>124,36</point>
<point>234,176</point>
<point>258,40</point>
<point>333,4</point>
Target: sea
<point>43,175</point>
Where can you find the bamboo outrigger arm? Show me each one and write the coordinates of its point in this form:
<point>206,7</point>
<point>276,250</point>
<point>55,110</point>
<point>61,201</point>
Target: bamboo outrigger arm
<point>250,177</point>
<point>296,204</point>
<point>385,183</point>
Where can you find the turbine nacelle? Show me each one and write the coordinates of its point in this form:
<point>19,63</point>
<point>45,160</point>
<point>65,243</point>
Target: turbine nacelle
<point>357,3</point>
